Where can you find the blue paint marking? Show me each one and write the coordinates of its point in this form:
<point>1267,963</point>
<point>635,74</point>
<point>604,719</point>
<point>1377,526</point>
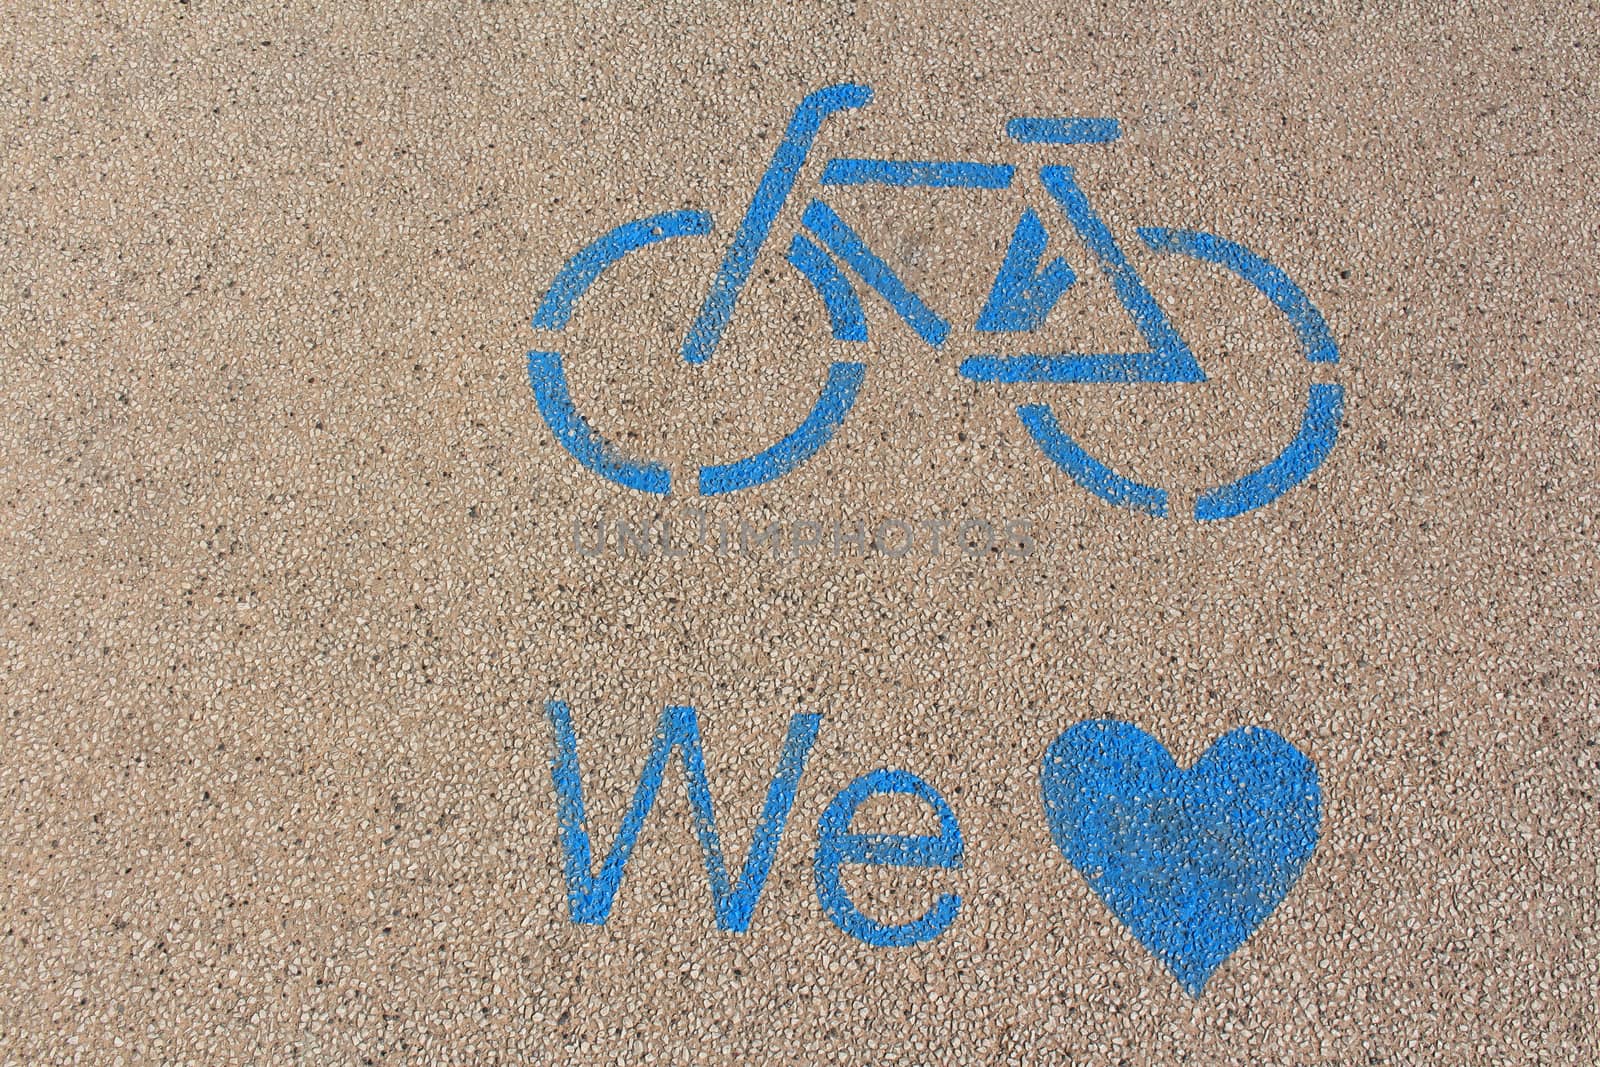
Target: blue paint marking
<point>1310,328</point>
<point>1169,359</point>
<point>837,398</point>
<point>845,243</point>
<point>1023,295</point>
<point>1100,367</point>
<point>837,845</point>
<point>549,381</point>
<point>1087,471</point>
<point>1192,862</point>
<point>1319,429</point>
<point>845,316</point>
<point>770,196</point>
<point>925,175</point>
<point>590,896</point>
<point>580,272</point>
<point>1063,130</point>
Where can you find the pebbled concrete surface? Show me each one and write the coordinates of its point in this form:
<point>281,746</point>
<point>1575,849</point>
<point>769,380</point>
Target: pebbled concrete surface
<point>287,565</point>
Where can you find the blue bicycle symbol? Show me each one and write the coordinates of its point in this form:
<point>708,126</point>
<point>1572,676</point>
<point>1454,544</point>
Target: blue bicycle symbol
<point>1023,294</point>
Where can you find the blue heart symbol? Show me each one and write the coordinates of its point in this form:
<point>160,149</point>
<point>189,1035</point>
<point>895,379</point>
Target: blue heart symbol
<point>1191,861</point>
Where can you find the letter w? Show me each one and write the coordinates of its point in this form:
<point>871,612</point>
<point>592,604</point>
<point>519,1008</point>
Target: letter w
<point>590,896</point>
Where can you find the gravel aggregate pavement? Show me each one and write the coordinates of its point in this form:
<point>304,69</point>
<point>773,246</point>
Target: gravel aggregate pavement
<point>301,579</point>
